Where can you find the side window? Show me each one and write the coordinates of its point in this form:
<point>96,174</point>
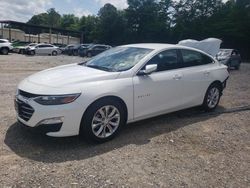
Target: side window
<point>193,58</point>
<point>166,60</point>
<point>41,46</point>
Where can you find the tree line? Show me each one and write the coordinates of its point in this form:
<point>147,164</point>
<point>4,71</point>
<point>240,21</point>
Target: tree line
<point>164,21</point>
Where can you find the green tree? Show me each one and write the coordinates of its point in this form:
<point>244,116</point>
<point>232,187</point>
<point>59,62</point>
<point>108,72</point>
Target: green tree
<point>40,19</point>
<point>144,23</point>
<point>111,25</point>
<point>88,25</point>
<point>69,21</point>
<point>53,18</point>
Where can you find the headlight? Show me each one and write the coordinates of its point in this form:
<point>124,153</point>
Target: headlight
<point>56,99</point>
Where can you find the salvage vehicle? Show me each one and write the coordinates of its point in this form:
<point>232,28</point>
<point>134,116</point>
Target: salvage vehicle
<point>97,49</point>
<point>229,57</point>
<point>122,85</point>
<point>5,46</point>
<point>23,49</point>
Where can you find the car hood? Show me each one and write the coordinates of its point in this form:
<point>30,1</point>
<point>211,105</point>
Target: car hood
<point>69,75</point>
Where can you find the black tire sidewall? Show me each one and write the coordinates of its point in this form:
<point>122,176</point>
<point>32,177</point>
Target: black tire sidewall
<point>32,52</point>
<point>54,53</point>
<point>205,105</point>
<point>5,50</point>
<point>86,129</point>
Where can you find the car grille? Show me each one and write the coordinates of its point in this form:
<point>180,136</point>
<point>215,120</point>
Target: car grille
<point>24,110</point>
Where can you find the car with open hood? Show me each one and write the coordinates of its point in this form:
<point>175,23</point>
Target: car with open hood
<point>122,85</point>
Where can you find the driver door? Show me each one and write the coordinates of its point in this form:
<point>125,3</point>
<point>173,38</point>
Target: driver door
<point>161,91</point>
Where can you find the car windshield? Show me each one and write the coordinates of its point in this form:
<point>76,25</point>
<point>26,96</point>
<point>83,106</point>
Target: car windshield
<point>118,59</point>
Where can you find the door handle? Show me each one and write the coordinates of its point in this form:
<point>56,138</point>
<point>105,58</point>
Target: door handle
<point>177,77</point>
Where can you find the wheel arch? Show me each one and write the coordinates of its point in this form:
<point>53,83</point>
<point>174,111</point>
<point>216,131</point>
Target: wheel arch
<point>113,97</point>
<point>217,82</point>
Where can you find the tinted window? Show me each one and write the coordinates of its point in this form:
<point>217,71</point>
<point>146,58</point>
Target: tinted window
<point>193,58</point>
<point>166,60</point>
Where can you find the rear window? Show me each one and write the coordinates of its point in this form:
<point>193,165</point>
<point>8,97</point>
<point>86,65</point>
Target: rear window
<point>194,58</point>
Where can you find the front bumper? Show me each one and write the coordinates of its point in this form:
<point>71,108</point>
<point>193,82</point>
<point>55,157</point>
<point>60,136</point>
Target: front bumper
<point>43,129</point>
<point>71,115</point>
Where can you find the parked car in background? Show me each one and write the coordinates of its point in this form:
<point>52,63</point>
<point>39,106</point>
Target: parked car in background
<point>66,49</point>
<point>5,46</point>
<point>83,49</point>
<point>43,49</point>
<point>18,46</point>
<point>74,50</point>
<point>229,57</point>
<point>97,49</point>
<point>124,84</point>
<point>22,49</point>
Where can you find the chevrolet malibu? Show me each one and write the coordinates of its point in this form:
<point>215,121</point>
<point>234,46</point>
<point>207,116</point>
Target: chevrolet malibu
<point>122,85</point>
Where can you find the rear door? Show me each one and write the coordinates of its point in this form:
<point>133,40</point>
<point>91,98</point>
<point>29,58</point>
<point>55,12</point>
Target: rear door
<point>40,49</point>
<point>197,69</point>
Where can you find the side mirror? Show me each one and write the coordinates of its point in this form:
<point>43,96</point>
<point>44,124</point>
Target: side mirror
<point>148,70</point>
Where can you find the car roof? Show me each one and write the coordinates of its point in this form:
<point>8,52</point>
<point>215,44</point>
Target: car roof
<point>162,46</point>
<point>5,40</point>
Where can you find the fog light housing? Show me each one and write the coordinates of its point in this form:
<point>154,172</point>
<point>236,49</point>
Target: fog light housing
<point>55,120</point>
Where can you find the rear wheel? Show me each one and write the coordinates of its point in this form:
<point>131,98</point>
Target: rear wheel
<point>5,51</point>
<point>212,97</point>
<point>103,120</point>
<point>89,54</point>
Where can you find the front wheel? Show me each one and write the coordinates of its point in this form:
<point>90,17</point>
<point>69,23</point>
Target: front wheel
<point>103,120</point>
<point>54,53</point>
<point>212,97</point>
<point>5,51</point>
<point>32,52</point>
<point>89,54</point>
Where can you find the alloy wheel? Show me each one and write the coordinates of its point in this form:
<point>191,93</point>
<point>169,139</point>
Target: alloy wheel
<point>106,121</point>
<point>213,97</point>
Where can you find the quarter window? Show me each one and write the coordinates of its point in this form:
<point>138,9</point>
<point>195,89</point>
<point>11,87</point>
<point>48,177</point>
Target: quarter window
<point>166,60</point>
<point>193,58</point>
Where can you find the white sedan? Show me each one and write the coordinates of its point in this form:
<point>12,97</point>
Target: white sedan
<point>122,85</point>
<point>43,49</point>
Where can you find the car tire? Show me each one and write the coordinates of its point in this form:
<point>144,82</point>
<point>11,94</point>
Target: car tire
<point>5,51</point>
<point>21,51</point>
<point>32,52</point>
<point>54,53</point>
<point>97,126</point>
<point>75,53</point>
<point>89,54</point>
<point>237,67</point>
<point>212,97</point>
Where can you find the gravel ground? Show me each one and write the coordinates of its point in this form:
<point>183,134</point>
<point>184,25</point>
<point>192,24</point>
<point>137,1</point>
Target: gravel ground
<point>183,149</point>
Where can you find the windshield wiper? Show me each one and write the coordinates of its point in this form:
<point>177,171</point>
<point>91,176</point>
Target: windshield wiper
<point>100,68</point>
<point>83,63</point>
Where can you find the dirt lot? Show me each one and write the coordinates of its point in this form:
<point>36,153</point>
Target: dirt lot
<point>184,149</point>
